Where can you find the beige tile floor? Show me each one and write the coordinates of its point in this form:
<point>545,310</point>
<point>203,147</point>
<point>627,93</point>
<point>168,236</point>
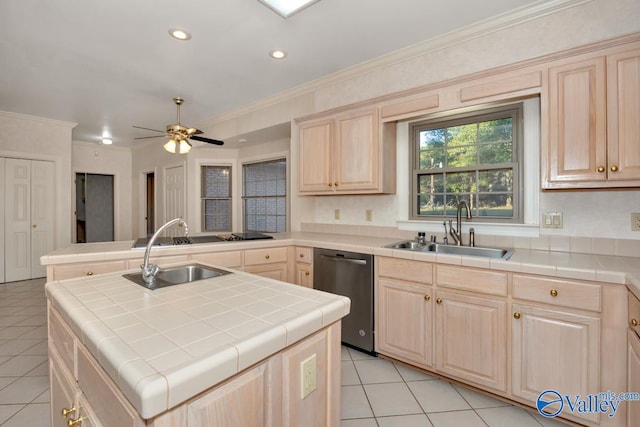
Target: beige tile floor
<point>375,392</point>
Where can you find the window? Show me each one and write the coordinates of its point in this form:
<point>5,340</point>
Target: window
<point>216,198</point>
<point>265,196</point>
<point>472,157</point>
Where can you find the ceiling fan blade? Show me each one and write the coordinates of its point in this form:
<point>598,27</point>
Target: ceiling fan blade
<point>148,137</point>
<point>193,131</point>
<point>207,140</point>
<point>155,130</point>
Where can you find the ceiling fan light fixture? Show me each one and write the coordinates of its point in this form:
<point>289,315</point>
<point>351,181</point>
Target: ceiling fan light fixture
<point>179,34</point>
<point>184,146</point>
<point>171,146</point>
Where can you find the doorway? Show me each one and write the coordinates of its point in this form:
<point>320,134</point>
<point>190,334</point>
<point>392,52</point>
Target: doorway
<point>94,208</point>
<point>150,214</point>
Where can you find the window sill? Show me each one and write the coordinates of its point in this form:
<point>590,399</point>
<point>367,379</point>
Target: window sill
<point>492,229</point>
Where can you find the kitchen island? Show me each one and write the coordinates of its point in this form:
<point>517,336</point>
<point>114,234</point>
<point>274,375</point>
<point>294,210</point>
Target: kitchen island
<point>228,350</point>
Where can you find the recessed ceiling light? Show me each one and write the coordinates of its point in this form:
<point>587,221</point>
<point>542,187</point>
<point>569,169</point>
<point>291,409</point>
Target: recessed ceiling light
<point>286,8</point>
<point>107,141</point>
<point>179,34</point>
<point>278,54</point>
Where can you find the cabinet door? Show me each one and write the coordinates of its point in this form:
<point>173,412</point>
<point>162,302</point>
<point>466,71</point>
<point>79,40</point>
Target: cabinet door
<point>63,394</point>
<point>471,339</point>
<point>304,275</point>
<point>405,321</point>
<point>554,350</point>
<point>623,119</point>
<point>244,401</point>
<point>316,156</point>
<point>577,122</point>
<point>633,378</point>
<point>276,271</point>
<point>357,151</point>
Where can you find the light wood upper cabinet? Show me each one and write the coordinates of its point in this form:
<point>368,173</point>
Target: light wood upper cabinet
<point>347,153</point>
<point>593,135</point>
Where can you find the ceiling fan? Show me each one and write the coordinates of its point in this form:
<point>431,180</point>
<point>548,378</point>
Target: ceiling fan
<point>179,135</point>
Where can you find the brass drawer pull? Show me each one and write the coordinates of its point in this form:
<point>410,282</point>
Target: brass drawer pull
<point>516,315</point>
<point>330,184</point>
<point>76,422</point>
<point>67,411</point>
<point>634,322</point>
<point>301,255</point>
<point>89,273</point>
<point>427,298</point>
<point>306,273</point>
<point>267,257</point>
<point>336,184</point>
<point>439,301</point>
<point>554,293</point>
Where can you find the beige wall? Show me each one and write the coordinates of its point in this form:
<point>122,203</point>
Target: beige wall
<point>109,160</point>
<point>29,137</point>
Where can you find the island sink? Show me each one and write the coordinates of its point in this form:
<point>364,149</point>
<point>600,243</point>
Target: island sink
<point>177,275</point>
<point>485,252</point>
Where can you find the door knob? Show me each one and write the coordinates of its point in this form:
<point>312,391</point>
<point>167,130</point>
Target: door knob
<point>76,422</point>
<point>67,411</point>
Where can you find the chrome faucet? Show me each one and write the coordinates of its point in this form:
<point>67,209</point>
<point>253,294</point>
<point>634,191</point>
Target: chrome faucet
<point>149,271</point>
<point>457,232</point>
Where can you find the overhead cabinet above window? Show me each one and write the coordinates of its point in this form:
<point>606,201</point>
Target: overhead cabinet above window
<point>592,138</point>
<point>351,152</point>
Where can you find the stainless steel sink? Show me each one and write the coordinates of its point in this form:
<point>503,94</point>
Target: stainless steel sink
<point>178,275</point>
<point>485,252</point>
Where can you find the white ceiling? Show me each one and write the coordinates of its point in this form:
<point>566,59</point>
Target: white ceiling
<point>108,65</point>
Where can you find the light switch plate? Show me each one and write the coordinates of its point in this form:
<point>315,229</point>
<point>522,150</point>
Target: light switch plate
<point>552,220</point>
<point>635,221</point>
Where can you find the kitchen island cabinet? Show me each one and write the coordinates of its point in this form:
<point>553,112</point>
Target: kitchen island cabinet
<point>225,351</point>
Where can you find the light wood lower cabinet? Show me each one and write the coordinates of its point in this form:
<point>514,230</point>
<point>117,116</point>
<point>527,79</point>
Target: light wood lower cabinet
<point>405,321</point>
<point>303,266</point>
<point>471,339</point>
<point>267,262</point>
<point>633,378</point>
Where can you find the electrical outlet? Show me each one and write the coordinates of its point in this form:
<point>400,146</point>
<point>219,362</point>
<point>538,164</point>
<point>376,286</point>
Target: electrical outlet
<point>336,214</point>
<point>368,215</point>
<point>635,221</point>
<point>308,376</point>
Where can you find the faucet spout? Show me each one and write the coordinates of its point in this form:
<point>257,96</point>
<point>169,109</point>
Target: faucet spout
<point>458,230</point>
<point>149,270</point>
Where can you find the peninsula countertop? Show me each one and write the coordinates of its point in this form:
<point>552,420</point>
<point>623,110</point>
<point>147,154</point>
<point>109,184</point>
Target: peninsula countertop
<point>603,267</point>
<point>165,346</point>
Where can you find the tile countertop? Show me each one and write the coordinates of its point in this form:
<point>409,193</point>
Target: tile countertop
<point>165,346</point>
<point>603,268</point>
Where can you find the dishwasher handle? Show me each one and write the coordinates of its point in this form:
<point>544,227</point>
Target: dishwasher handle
<point>349,260</point>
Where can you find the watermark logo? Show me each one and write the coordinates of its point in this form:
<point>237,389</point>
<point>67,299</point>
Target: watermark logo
<point>551,403</point>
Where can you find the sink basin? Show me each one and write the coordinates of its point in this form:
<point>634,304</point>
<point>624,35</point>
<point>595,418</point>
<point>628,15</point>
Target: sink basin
<point>178,275</point>
<point>485,252</point>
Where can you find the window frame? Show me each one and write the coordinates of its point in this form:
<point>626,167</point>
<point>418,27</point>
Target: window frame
<point>203,199</point>
<point>485,113</point>
<point>244,197</point>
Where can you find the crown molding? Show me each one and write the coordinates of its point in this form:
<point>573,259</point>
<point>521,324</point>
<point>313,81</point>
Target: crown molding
<point>516,17</point>
<point>18,116</point>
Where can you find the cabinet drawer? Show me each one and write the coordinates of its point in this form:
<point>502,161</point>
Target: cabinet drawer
<point>78,270</point>
<point>564,293</point>
<point>634,313</point>
<point>470,279</point>
<point>304,255</point>
<point>108,403</point>
<point>61,338</point>
<point>265,256</point>
<point>404,269</point>
<point>222,259</point>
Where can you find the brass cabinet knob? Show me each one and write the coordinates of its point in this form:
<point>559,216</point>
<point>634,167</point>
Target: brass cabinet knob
<point>301,255</point>
<point>34,225</point>
<point>601,169</point>
<point>634,322</point>
<point>89,273</point>
<point>267,257</point>
<point>614,169</point>
<point>554,293</point>
<point>75,422</point>
<point>427,298</point>
<point>330,184</point>
<point>439,301</point>
<point>516,315</point>
<point>335,183</point>
<point>306,273</point>
<point>67,411</point>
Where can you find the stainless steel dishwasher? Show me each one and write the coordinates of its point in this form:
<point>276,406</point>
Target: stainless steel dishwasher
<point>349,274</point>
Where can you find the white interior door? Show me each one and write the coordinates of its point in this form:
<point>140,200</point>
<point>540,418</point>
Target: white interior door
<point>17,245</point>
<point>42,214</point>
<point>174,195</point>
